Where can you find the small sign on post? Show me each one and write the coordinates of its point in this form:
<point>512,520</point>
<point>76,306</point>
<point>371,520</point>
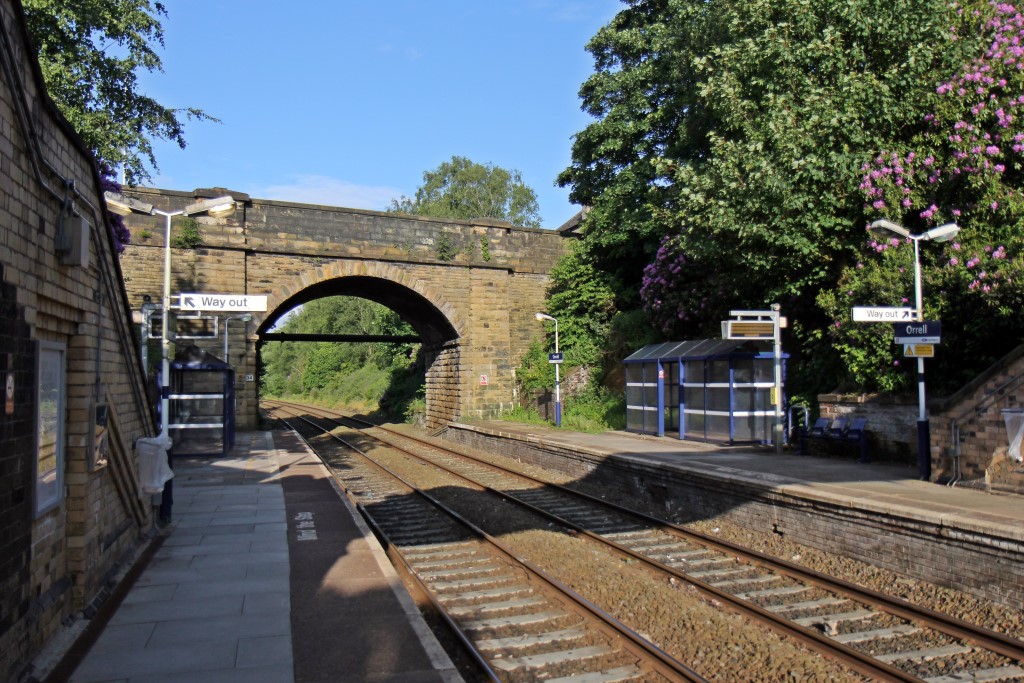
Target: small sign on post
<point>927,332</point>
<point>555,357</point>
<point>222,302</point>
<point>882,314</point>
<point>918,350</point>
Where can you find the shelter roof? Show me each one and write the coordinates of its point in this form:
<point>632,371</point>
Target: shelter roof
<point>699,349</point>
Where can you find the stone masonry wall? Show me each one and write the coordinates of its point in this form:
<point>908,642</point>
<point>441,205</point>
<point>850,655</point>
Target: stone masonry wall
<point>975,413</point>
<point>892,422</point>
<point>56,562</point>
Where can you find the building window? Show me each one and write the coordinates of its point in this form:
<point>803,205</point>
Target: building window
<point>51,415</point>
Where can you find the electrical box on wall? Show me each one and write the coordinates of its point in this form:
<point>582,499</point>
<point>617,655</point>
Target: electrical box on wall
<point>73,241</point>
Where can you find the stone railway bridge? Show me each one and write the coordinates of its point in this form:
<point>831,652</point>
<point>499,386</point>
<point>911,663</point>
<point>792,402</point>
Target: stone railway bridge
<point>469,288</point>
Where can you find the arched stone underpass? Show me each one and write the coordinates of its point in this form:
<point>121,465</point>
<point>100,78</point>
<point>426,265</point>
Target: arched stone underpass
<point>438,335</point>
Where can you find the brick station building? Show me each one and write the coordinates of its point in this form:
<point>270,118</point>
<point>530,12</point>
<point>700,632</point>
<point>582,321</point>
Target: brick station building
<point>71,513</point>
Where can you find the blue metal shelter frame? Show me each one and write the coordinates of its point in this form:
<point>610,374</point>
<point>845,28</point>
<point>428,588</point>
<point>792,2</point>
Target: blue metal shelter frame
<point>202,396</point>
<point>715,390</point>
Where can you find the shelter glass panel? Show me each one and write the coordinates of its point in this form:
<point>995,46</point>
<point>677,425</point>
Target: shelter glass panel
<point>693,397</point>
<point>693,426</point>
<point>671,393</point>
<point>718,371</point>
<point>718,399</point>
<point>743,370</point>
<point>717,427</point>
<point>764,370</point>
<point>635,372</point>
<point>745,398</point>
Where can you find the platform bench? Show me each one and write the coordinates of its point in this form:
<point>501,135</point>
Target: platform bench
<point>839,430</point>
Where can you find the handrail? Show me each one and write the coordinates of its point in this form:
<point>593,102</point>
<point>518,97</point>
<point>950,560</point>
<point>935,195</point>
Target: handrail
<point>990,397</point>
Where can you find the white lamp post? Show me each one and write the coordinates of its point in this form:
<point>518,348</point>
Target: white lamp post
<point>125,205</point>
<point>943,233</point>
<point>558,397</point>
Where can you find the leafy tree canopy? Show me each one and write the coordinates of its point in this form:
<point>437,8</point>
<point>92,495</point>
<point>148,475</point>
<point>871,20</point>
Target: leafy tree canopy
<point>356,374</point>
<point>90,53</point>
<point>731,136</point>
<point>462,189</point>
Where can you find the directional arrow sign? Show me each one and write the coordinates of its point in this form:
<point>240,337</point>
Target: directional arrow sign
<point>929,332</point>
<point>881,314</point>
<point>223,302</point>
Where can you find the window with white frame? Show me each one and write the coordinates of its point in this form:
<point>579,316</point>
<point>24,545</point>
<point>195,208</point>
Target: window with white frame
<point>50,421</point>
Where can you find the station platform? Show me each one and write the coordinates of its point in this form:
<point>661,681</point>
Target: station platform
<point>266,574</point>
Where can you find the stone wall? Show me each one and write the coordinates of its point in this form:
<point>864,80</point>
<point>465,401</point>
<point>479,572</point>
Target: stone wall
<point>57,560</point>
<point>969,440</point>
<point>975,416</point>
<point>892,422</point>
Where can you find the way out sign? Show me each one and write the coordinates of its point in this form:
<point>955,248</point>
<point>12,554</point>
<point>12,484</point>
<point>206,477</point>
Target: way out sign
<point>881,314</point>
<point>222,302</point>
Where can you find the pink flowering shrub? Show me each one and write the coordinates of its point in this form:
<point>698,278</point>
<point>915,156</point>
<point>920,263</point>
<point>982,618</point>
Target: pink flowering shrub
<point>122,236</point>
<point>965,166</point>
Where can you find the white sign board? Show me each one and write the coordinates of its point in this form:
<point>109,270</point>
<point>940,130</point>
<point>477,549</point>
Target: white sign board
<point>876,314</point>
<point>222,302</point>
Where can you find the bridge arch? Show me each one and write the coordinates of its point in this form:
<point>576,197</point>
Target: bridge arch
<point>435,321</point>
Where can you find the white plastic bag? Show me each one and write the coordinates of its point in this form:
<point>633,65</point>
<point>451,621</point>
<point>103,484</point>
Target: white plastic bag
<point>154,471</point>
<point>1015,431</point>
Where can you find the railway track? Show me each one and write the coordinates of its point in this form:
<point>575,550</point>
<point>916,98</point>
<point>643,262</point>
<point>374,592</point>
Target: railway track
<point>879,636</point>
<point>518,623</point>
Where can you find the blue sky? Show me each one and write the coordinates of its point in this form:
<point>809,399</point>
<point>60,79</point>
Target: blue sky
<point>347,102</point>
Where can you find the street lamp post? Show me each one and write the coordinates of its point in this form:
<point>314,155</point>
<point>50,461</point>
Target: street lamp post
<point>122,205</point>
<point>943,233</point>
<point>558,397</point>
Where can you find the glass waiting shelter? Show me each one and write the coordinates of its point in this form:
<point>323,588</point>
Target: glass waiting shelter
<point>716,390</point>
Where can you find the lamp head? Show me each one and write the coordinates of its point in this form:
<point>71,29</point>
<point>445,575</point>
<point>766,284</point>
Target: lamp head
<point>122,206</point>
<point>943,233</point>
<point>885,229</point>
<point>218,207</point>
<point>543,316</point>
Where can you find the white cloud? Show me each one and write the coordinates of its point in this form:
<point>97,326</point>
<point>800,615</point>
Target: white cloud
<point>318,189</point>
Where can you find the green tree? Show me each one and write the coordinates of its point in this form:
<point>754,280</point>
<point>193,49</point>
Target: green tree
<point>582,299</point>
<point>462,189</point>
<point>353,374</point>
<point>731,136</point>
<point>90,53</point>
